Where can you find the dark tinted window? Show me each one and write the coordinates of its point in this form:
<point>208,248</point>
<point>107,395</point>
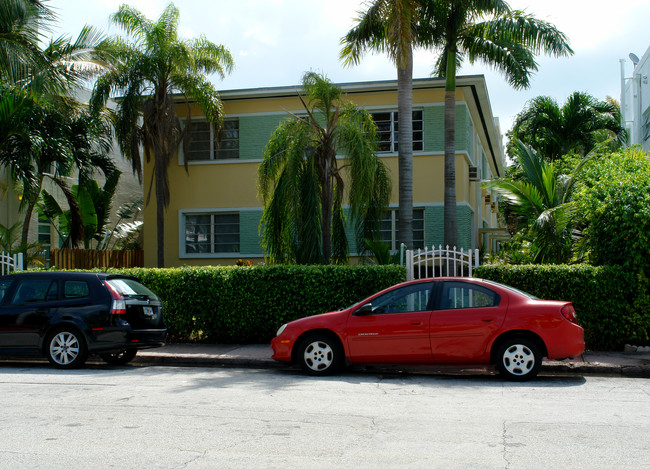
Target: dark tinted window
<point>34,290</point>
<point>459,295</point>
<point>75,289</point>
<point>4,288</point>
<point>403,300</point>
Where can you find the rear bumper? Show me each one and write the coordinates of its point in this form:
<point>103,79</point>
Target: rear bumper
<point>111,339</point>
<point>567,341</point>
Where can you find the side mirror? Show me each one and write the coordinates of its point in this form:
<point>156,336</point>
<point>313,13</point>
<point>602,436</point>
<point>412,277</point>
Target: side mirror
<point>364,310</point>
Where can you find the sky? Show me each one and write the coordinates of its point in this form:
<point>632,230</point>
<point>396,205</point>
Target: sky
<point>274,42</point>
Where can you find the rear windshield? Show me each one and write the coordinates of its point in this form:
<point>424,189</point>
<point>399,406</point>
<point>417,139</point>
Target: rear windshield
<point>516,290</point>
<point>130,287</point>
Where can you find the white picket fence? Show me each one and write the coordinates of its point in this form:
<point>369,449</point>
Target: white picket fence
<point>429,263</point>
<point>9,263</point>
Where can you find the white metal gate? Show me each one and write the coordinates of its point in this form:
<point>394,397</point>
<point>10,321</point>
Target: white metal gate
<point>9,262</point>
<point>428,263</point>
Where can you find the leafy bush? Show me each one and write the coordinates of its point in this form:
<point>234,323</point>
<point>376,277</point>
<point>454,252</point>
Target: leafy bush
<point>615,201</point>
<point>248,304</point>
<point>611,302</point>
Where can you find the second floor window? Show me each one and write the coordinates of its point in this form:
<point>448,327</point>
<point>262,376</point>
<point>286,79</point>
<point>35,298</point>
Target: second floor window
<point>206,144</point>
<point>387,129</point>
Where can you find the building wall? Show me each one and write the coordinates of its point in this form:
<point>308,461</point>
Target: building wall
<point>230,185</point>
<point>635,101</point>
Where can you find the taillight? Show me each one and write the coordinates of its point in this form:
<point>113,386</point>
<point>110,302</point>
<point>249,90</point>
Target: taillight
<point>570,314</point>
<point>119,305</point>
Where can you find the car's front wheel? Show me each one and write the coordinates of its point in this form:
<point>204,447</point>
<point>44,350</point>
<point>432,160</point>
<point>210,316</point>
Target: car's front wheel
<point>320,355</point>
<point>519,359</point>
<point>66,348</point>
<point>121,357</point>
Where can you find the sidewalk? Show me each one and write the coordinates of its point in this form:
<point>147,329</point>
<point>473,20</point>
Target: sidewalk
<point>259,356</point>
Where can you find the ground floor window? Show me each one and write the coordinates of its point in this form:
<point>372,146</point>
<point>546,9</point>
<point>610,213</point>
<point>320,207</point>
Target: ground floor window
<point>388,228</point>
<point>207,233</point>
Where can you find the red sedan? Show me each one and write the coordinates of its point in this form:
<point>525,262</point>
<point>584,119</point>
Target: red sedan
<point>437,321</point>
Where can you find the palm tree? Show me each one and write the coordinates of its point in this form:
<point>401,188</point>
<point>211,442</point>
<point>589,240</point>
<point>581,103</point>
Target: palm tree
<point>541,200</point>
<point>21,26</point>
<point>302,183</point>
<point>47,142</point>
<point>147,73</point>
<point>575,127</point>
<point>391,26</point>
<point>488,31</point>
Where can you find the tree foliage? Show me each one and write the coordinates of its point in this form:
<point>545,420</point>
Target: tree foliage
<point>303,184</point>
<point>542,202</point>
<point>148,71</point>
<point>575,127</point>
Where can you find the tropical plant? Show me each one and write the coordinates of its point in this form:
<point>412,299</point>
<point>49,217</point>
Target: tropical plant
<point>491,32</point>
<point>148,72</point>
<point>302,183</point>
<point>543,203</point>
<point>22,23</point>
<point>92,204</point>
<point>125,232</point>
<point>392,26</point>
<point>10,243</point>
<point>575,127</point>
<point>48,143</point>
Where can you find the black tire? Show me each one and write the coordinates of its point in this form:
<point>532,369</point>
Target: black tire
<point>320,355</point>
<point>121,357</point>
<point>519,359</point>
<point>66,348</point>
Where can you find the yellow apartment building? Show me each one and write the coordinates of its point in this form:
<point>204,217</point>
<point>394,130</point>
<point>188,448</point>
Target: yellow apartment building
<point>215,210</point>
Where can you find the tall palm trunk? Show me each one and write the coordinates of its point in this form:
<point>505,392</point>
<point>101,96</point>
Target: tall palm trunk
<point>160,212</point>
<point>327,199</point>
<point>450,223</point>
<point>405,151</point>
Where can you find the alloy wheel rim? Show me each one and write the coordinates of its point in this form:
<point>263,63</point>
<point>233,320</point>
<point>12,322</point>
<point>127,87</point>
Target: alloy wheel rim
<point>64,348</point>
<point>318,356</point>
<point>518,359</point>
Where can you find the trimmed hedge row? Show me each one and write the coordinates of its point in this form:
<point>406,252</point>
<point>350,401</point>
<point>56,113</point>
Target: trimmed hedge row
<point>248,304</point>
<point>609,300</point>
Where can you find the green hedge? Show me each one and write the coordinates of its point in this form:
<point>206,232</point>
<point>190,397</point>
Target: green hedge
<point>248,304</point>
<point>610,302</point>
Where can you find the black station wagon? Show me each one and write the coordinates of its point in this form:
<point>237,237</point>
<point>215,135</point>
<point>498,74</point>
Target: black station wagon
<point>66,316</point>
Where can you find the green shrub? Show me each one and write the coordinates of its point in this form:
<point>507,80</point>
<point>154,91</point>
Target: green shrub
<point>248,304</point>
<point>612,304</point>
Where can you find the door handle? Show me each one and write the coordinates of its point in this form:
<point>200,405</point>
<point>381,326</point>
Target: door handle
<point>487,319</point>
<point>416,323</point>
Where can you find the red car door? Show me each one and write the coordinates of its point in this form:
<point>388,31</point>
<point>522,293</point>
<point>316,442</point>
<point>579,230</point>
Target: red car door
<point>464,321</point>
<point>393,328</point>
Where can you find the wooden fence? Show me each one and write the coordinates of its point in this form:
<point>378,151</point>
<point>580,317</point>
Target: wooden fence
<point>91,258</point>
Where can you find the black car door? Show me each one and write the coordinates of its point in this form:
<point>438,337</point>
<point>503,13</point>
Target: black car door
<point>25,314</point>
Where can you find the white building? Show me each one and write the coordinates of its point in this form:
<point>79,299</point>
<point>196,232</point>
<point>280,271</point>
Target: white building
<point>635,100</point>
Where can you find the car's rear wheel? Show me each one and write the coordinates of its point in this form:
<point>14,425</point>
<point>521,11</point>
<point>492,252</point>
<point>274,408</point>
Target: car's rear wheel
<point>66,348</point>
<point>519,359</point>
<point>122,357</point>
<point>320,355</point>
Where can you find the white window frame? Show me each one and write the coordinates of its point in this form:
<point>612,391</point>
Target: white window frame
<point>394,244</point>
<point>183,214</point>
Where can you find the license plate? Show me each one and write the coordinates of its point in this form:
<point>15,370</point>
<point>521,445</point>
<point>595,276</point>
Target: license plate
<point>148,311</point>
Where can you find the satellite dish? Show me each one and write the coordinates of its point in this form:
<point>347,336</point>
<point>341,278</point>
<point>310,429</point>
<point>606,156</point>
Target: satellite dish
<point>634,58</point>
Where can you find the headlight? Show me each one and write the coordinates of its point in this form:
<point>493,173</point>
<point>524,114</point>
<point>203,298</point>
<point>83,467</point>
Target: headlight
<point>281,330</point>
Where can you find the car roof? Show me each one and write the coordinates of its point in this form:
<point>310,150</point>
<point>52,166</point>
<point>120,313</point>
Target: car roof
<point>65,274</point>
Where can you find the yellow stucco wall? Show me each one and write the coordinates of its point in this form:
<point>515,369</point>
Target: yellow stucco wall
<point>219,185</point>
